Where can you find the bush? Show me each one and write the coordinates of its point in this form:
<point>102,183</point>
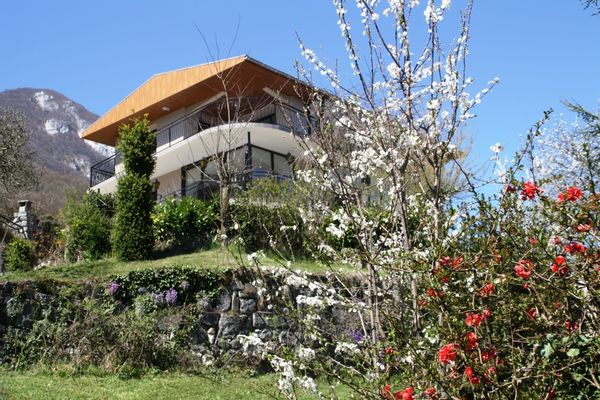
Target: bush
<point>19,255</point>
<point>184,221</point>
<point>266,217</point>
<point>88,227</point>
<point>133,237</point>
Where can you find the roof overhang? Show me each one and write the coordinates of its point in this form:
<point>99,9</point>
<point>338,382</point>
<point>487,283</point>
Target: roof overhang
<point>166,92</point>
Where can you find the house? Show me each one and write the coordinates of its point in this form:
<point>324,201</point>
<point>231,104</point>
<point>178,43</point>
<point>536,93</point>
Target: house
<point>236,112</point>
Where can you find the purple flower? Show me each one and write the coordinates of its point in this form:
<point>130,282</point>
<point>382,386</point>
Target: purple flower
<point>171,297</point>
<point>159,298</point>
<point>113,288</point>
<point>357,335</point>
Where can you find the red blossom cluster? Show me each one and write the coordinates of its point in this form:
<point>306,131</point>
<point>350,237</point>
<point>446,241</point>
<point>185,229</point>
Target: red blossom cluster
<point>572,193</point>
<point>575,247</point>
<point>406,394</point>
<point>447,353</point>
<point>560,266</point>
<point>524,268</point>
<point>487,289</point>
<point>529,191</point>
<point>475,319</point>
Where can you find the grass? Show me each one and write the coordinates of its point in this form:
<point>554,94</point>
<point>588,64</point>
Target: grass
<point>216,258</point>
<point>60,384</point>
<point>49,386</point>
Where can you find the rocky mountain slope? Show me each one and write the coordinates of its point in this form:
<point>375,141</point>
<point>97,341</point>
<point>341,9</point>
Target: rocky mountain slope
<point>56,122</point>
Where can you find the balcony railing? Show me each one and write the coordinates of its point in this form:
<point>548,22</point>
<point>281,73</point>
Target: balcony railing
<point>208,188</point>
<point>245,110</point>
<point>104,170</point>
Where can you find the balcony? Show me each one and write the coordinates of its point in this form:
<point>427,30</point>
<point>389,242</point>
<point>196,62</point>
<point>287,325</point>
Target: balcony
<point>238,110</point>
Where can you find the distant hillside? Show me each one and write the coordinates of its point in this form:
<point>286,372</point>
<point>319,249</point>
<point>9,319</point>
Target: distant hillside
<point>56,122</point>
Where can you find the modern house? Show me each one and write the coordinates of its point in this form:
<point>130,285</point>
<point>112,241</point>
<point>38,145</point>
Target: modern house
<point>236,112</point>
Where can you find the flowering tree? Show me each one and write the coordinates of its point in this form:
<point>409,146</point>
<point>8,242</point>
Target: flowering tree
<point>488,298</point>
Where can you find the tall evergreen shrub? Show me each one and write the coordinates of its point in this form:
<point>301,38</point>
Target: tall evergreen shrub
<point>132,235</point>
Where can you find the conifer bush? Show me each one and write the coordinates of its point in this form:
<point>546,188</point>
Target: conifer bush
<point>132,236</point>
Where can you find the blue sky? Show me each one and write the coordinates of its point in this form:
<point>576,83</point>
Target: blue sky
<point>98,52</point>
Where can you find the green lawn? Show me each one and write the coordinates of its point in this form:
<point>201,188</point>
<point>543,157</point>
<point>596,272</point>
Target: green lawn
<point>58,385</point>
<point>217,258</point>
<point>49,386</point>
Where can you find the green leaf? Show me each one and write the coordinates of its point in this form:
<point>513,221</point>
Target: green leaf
<point>548,350</point>
<point>574,352</point>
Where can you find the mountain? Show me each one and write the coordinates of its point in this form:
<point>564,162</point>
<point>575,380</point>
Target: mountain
<point>63,157</point>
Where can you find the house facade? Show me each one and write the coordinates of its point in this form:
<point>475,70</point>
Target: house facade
<point>235,118</point>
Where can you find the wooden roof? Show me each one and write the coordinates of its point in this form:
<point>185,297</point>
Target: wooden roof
<point>169,91</point>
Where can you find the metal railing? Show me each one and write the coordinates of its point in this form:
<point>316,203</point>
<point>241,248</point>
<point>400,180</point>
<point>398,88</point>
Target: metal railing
<point>208,188</point>
<point>8,224</point>
<point>105,169</point>
<point>283,115</point>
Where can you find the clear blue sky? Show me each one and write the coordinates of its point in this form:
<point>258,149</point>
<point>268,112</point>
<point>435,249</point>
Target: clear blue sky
<point>97,52</point>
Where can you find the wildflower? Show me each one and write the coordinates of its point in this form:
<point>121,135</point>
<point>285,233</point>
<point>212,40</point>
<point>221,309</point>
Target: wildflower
<point>574,193</point>
<point>532,313</point>
<point>158,298</point>
<point>406,394</point>
<point>386,392</point>
<point>471,341</point>
<point>113,288</point>
<point>524,268</point>
<point>529,191</point>
<point>171,297</point>
<point>560,266</point>
<point>473,319</point>
<point>470,374</point>
<point>430,392</point>
<point>575,247</point>
<point>388,351</point>
<point>489,371</point>
<point>357,335</point>
<point>571,326</point>
<point>447,353</point>
<point>487,289</point>
<point>488,354</point>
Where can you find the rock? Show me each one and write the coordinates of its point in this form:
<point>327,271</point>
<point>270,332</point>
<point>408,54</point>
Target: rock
<point>248,292</point>
<point>208,360</point>
<point>209,319</point>
<point>232,325</point>
<point>211,335</point>
<point>223,301</point>
<point>247,306</point>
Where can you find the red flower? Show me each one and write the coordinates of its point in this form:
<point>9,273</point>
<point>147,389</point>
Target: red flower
<point>431,292</point>
<point>575,247</point>
<point>447,353</point>
<point>532,313</point>
<point>471,339</point>
<point>574,193</point>
<point>406,394</point>
<point>457,262</point>
<point>488,354</point>
<point>571,326</point>
<point>430,392</point>
<point>487,289</point>
<point>473,319</point>
<point>489,371</point>
<point>533,241</point>
<point>486,313</point>
<point>529,191</point>
<point>560,266</point>
<point>388,351</point>
<point>470,374</point>
<point>524,268</point>
<point>386,392</point>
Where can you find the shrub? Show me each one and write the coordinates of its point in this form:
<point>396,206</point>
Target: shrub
<point>133,237</point>
<point>266,217</point>
<point>88,227</point>
<point>185,221</point>
<point>19,255</point>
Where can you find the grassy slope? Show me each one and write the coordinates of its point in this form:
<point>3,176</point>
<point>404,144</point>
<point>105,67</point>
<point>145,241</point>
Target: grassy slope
<point>217,258</point>
<point>49,385</point>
